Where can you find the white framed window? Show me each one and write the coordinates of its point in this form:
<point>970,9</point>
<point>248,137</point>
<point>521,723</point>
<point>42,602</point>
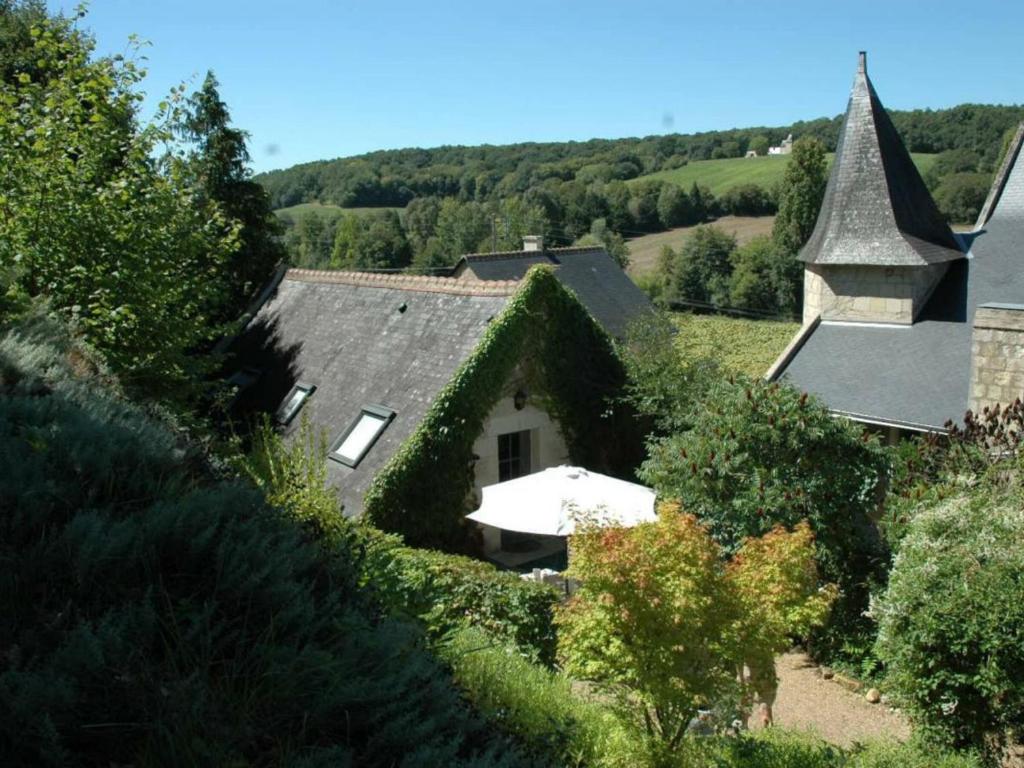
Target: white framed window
<point>362,433</point>
<point>293,402</point>
<point>513,455</point>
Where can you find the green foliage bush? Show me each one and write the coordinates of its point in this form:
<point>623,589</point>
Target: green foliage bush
<point>118,241</point>
<point>761,454</point>
<point>961,195</point>
<point>539,707</point>
<point>951,622</point>
<point>421,492</point>
<point>803,189</point>
<point>154,616</point>
<point>448,592</point>
<point>561,724</point>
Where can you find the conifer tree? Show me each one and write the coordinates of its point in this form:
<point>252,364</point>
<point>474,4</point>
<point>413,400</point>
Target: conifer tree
<point>220,162</point>
<point>803,188</point>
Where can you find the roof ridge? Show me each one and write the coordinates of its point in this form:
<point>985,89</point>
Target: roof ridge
<point>499,255</point>
<point>405,282</point>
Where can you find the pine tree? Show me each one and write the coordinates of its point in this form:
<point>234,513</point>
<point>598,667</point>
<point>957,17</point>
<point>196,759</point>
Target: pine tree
<point>220,162</point>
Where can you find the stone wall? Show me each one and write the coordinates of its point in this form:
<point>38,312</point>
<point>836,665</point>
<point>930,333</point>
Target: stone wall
<point>997,355</point>
<point>547,447</point>
<point>868,294</point>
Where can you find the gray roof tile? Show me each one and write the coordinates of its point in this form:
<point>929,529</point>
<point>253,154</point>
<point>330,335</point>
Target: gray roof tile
<point>918,375</point>
<point>601,285</point>
<point>876,210</point>
<point>347,334</point>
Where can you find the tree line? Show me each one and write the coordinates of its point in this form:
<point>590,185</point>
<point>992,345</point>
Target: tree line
<point>394,177</point>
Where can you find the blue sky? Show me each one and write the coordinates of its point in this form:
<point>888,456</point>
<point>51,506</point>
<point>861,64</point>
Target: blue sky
<point>313,79</point>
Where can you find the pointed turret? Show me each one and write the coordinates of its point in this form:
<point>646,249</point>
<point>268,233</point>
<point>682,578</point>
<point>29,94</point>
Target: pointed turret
<point>880,245</point>
<point>877,210</point>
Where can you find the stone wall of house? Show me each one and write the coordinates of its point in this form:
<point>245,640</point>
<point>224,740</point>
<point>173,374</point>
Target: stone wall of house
<point>868,294</point>
<point>547,449</point>
<point>997,355</point>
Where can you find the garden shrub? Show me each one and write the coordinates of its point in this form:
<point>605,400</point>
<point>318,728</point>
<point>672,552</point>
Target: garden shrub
<point>761,454</point>
<point>154,616</point>
<point>562,725</point>
<point>539,707</point>
<point>951,623</point>
<point>447,592</point>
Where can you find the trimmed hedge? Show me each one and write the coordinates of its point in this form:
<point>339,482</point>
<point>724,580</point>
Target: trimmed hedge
<point>448,592</point>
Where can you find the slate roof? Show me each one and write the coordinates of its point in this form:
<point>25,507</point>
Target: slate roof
<point>364,339</point>
<point>876,210</point>
<point>917,376</point>
<point>601,285</point>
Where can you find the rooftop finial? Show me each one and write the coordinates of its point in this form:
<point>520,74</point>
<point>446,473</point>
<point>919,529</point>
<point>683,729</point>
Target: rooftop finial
<point>862,62</point>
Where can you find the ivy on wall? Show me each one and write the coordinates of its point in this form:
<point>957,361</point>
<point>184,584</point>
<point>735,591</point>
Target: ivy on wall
<point>570,364</point>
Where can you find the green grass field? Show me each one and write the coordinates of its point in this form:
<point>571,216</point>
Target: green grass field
<point>720,175</point>
<point>738,344</point>
<point>296,212</point>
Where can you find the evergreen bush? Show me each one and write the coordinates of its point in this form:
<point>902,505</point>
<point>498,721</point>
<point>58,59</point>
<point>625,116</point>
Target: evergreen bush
<point>154,616</point>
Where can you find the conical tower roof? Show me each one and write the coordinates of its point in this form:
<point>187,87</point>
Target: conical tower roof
<point>877,210</point>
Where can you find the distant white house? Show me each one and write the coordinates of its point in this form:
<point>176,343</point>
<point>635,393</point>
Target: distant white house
<point>784,149</point>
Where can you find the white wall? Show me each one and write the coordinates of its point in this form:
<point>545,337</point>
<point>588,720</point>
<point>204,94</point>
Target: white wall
<point>547,447</point>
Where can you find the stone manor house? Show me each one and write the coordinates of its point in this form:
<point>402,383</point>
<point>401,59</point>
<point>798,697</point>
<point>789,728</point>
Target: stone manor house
<point>906,324</point>
<point>366,355</point>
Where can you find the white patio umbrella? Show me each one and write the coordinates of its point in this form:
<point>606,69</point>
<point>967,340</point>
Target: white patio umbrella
<point>548,503</point>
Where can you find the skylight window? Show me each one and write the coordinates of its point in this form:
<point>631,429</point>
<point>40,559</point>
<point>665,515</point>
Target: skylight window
<point>293,403</point>
<point>361,434</point>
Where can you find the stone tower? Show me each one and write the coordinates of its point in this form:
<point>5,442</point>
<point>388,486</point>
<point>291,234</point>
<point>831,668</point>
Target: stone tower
<point>880,245</point>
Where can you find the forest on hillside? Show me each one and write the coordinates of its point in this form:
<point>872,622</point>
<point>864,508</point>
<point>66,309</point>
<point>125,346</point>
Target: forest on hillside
<point>458,200</point>
<point>394,177</point>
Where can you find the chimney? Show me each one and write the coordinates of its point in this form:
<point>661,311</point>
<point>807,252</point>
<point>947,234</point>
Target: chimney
<point>533,243</point>
<point>862,62</point>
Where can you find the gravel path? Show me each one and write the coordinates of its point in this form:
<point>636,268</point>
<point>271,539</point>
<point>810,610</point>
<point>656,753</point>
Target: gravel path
<point>809,703</point>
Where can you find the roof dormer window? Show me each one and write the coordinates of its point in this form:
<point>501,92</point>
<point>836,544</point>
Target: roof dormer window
<point>356,441</point>
<point>293,402</point>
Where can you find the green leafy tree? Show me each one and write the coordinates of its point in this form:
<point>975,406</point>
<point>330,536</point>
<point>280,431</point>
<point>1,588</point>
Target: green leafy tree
<point>17,18</point>
<point>703,266</point>
<point>118,241</point>
<point>643,205</point>
<point>383,244</point>
<point>662,623</point>
<point>761,454</point>
<point>600,235</point>
<point>315,240</point>
<point>664,385</point>
<point>960,196</point>
<point>951,161</point>
<point>220,162</point>
<point>760,144</point>
<point>765,278</point>
<point>462,228</point>
<point>951,622</point>
<point>675,208</point>
<point>747,200</point>
<point>421,221</point>
<point>803,188</point>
